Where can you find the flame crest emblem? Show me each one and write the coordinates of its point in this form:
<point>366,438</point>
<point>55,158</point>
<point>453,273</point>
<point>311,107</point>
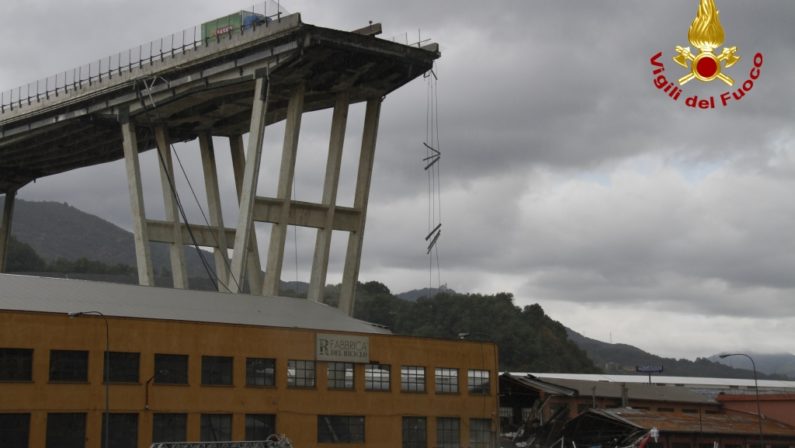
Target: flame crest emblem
<point>706,34</point>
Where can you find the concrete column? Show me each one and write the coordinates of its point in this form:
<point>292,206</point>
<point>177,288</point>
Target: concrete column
<point>249,184</point>
<point>284,189</point>
<point>176,250</point>
<point>225,283</point>
<point>253,268</point>
<point>317,280</point>
<point>353,256</point>
<point>143,260</point>
<point>5,228</point>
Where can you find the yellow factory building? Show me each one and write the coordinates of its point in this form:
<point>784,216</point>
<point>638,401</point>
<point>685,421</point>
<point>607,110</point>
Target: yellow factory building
<point>204,366</point>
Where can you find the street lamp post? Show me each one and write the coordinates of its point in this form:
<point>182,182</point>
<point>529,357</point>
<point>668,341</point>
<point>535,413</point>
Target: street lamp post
<point>756,386</point>
<point>106,369</point>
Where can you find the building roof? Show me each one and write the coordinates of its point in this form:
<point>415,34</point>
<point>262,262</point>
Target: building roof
<point>673,422</point>
<point>636,391</point>
<point>535,384</point>
<point>54,295</point>
<point>717,383</point>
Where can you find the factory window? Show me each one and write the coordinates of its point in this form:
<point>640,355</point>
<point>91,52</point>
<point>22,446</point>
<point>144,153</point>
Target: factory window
<point>340,429</point>
<point>377,377</point>
<point>170,428</point>
<point>260,372</point>
<point>217,370</point>
<point>123,431</point>
<point>300,373</point>
<point>479,433</point>
<point>14,430</point>
<point>446,380</point>
<point>478,382</point>
<point>340,375</point>
<point>260,426</point>
<point>123,367</point>
<point>216,428</point>
<point>68,365</point>
<point>665,409</point>
<point>66,430</point>
<point>16,364</point>
<point>171,369</point>
<point>689,411</point>
<point>447,432</point>
<point>415,432</point>
<point>412,379</point>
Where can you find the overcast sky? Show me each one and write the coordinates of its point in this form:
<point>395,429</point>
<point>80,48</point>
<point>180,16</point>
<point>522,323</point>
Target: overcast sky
<point>567,177</point>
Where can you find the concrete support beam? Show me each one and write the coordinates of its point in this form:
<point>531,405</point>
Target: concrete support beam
<point>253,268</point>
<point>306,214</point>
<point>143,259</point>
<point>206,236</point>
<point>284,189</point>
<point>350,274</point>
<point>5,228</point>
<point>176,250</point>
<point>317,281</point>
<point>250,175</point>
<point>220,252</point>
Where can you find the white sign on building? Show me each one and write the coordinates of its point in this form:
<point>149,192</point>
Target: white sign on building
<point>342,348</point>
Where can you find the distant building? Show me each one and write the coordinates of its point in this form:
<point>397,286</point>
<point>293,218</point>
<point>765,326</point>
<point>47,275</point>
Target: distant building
<point>780,407</point>
<point>627,427</point>
<point>190,366</point>
<point>573,397</point>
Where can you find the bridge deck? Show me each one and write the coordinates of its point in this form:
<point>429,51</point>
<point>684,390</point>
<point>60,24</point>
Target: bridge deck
<point>210,88</point>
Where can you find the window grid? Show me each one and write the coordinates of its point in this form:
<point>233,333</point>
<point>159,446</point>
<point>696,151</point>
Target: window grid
<point>340,429</point>
<point>16,364</point>
<point>66,430</point>
<point>14,430</point>
<point>412,379</point>
<point>123,430</point>
<point>260,372</point>
<point>446,380</point>
<point>260,426</point>
<point>300,373</point>
<point>170,428</point>
<point>216,427</point>
<point>447,432</point>
<point>480,433</point>
<point>68,366</point>
<point>478,382</point>
<point>171,369</point>
<point>123,367</point>
<point>217,370</point>
<point>415,432</point>
<point>377,377</point>
<point>340,375</point>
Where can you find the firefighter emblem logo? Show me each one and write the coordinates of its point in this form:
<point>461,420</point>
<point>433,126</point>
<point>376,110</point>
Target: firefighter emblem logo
<point>706,34</point>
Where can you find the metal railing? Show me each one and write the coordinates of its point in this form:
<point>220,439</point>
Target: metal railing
<point>135,58</point>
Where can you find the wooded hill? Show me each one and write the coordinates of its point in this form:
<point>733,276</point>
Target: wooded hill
<point>50,238</point>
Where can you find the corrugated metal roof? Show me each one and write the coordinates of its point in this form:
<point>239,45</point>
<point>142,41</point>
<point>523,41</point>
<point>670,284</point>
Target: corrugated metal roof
<point>54,295</point>
<point>635,391</point>
<point>536,384</point>
<point>667,380</point>
<point>673,422</point>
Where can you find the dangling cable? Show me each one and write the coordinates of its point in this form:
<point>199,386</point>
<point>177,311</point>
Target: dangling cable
<point>432,159</point>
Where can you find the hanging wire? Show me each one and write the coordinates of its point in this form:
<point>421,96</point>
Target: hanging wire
<point>432,159</point>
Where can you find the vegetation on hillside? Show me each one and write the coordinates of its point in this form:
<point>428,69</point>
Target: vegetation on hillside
<point>528,339</point>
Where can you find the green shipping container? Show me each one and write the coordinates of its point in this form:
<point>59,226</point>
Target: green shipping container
<point>230,23</point>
